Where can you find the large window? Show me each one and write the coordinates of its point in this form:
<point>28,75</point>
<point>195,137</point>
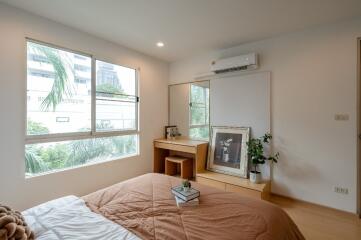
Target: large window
<point>79,110</point>
<point>199,110</point>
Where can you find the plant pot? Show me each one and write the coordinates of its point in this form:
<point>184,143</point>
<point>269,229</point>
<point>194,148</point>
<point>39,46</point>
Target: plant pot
<point>255,177</point>
<point>226,157</point>
<point>186,189</point>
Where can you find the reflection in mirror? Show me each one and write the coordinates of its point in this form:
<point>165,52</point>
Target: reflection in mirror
<point>199,110</point>
<point>189,109</point>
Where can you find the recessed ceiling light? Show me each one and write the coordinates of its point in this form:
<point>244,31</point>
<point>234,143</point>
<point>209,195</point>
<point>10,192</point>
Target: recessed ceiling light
<point>160,44</point>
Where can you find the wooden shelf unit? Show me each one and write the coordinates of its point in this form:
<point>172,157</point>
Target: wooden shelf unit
<point>195,150</point>
<point>235,184</point>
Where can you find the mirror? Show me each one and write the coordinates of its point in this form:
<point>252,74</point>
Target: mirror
<point>189,109</point>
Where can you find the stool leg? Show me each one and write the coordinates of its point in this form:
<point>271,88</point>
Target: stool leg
<point>187,169</point>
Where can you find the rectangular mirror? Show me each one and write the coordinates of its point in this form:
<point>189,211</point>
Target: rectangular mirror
<point>189,109</point>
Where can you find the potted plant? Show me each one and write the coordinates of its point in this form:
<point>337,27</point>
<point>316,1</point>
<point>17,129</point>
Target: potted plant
<point>186,185</point>
<point>257,155</point>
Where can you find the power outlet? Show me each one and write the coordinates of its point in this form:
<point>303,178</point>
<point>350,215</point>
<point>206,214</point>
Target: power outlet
<point>341,117</point>
<point>341,190</point>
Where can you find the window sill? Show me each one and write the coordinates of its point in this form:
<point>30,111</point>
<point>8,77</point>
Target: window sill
<point>30,176</point>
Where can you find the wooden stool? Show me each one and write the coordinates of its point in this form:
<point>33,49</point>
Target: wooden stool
<point>186,165</point>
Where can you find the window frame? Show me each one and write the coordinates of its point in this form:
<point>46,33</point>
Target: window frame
<point>92,133</point>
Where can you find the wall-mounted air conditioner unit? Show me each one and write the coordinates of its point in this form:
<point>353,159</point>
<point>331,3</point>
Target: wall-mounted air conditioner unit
<point>239,63</point>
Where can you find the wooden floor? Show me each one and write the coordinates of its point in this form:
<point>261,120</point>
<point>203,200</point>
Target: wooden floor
<point>319,223</point>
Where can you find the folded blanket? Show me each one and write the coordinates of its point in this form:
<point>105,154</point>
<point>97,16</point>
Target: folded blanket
<point>13,225</point>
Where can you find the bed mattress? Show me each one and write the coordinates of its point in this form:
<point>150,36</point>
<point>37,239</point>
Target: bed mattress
<point>145,206</point>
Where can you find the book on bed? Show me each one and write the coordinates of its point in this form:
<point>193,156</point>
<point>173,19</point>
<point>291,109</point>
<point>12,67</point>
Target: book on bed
<point>181,203</point>
<point>185,195</point>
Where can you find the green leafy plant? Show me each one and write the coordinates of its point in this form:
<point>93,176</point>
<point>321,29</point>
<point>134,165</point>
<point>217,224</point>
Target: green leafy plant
<point>186,184</point>
<point>109,90</point>
<point>256,151</point>
<point>34,163</point>
<point>34,128</point>
<point>61,86</point>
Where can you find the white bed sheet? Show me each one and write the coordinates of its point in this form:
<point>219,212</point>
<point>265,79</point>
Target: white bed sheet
<point>69,218</point>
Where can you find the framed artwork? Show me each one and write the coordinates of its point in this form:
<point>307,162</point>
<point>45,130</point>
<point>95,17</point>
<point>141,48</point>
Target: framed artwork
<point>168,130</point>
<point>228,151</point>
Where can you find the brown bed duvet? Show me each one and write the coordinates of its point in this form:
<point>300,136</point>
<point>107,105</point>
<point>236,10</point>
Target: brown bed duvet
<point>145,206</point>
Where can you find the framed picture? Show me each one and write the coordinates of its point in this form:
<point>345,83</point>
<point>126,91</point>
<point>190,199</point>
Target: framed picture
<point>168,130</point>
<point>228,151</point>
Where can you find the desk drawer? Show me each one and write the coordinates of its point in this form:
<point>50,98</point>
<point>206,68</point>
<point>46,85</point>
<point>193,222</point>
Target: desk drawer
<point>175,147</point>
<point>212,183</point>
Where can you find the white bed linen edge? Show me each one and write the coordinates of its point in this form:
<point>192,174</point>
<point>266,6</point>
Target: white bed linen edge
<point>69,218</point>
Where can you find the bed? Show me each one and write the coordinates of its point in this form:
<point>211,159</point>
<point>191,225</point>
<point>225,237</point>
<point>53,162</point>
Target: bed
<point>144,208</point>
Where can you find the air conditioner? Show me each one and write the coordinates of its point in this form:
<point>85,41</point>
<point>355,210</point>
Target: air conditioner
<point>239,63</point>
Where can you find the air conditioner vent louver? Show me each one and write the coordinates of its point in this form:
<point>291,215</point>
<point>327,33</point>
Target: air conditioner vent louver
<point>231,69</point>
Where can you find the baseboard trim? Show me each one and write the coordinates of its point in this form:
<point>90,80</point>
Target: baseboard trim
<point>317,205</point>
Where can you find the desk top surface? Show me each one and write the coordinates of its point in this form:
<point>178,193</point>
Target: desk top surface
<point>181,141</point>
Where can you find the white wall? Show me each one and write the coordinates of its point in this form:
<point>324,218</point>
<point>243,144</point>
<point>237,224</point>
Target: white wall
<point>230,104</point>
<point>22,193</point>
<point>314,76</point>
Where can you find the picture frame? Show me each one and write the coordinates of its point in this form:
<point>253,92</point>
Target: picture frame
<point>228,150</point>
<point>167,129</point>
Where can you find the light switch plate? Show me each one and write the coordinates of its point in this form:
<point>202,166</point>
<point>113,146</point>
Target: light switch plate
<point>341,190</point>
<point>341,117</point>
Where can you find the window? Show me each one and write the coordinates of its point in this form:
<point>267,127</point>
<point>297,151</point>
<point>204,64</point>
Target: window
<point>68,122</point>
<point>199,110</point>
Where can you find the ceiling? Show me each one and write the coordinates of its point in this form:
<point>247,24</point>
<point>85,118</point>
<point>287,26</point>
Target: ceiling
<point>189,27</point>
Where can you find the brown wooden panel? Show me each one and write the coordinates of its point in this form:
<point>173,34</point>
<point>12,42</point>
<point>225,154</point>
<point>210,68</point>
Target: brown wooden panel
<point>244,191</point>
<point>175,147</point>
<point>159,159</point>
<point>170,168</point>
<point>237,181</point>
<point>211,183</point>
<point>201,157</point>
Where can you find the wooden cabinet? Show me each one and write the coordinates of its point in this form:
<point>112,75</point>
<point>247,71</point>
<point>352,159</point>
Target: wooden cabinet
<point>212,183</point>
<point>234,184</point>
<point>195,150</point>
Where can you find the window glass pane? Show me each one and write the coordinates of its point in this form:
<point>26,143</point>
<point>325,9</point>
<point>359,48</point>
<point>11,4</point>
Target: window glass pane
<point>113,78</point>
<point>199,133</point>
<point>198,94</point>
<point>112,115</point>
<point>198,115</point>
<point>58,91</point>
<point>116,100</point>
<point>46,157</point>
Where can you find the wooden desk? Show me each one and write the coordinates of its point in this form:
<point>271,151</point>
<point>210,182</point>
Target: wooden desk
<point>197,150</point>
